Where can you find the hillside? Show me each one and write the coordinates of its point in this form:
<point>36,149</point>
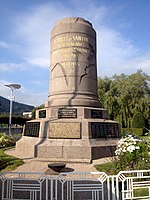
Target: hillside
<point>18,108</point>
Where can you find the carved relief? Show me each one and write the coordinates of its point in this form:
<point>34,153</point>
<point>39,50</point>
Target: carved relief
<point>62,69</point>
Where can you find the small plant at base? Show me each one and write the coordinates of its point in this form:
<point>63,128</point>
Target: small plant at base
<point>5,140</point>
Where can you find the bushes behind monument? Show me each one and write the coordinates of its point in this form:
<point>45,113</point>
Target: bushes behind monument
<point>7,141</point>
<point>135,131</point>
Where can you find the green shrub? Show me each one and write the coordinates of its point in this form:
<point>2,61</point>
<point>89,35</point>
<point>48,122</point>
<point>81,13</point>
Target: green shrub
<point>5,140</point>
<point>132,131</point>
<point>138,120</point>
<point>132,153</point>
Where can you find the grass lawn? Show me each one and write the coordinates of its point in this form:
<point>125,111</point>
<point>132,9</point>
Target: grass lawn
<point>8,163</point>
<point>109,168</point>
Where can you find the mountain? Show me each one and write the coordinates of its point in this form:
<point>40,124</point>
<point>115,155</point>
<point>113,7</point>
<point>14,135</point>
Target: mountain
<point>17,108</point>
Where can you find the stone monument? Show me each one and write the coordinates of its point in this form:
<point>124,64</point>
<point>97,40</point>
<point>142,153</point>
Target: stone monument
<point>72,126</point>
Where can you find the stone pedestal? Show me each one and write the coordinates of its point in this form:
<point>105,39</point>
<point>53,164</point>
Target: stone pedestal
<point>72,127</point>
<point>73,134</point>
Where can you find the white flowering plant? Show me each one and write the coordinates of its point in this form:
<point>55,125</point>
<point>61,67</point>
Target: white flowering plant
<point>5,140</point>
<point>132,153</point>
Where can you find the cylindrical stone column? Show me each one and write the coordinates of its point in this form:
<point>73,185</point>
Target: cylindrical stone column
<point>73,70</point>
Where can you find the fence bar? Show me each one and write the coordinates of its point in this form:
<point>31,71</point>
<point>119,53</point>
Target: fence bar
<point>74,185</point>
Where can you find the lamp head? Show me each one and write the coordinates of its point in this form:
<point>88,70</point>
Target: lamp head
<point>13,86</point>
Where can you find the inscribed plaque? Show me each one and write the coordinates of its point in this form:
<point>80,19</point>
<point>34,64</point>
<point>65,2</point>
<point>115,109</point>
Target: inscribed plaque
<point>64,130</point>
<point>32,129</point>
<point>42,114</point>
<point>96,113</point>
<point>67,113</point>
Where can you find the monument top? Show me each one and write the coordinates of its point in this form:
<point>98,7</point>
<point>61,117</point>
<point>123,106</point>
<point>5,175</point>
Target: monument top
<point>73,20</point>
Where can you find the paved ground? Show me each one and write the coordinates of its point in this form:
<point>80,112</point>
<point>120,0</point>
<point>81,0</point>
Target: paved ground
<point>36,165</point>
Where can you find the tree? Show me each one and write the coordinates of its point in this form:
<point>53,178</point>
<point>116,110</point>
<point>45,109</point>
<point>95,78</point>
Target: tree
<point>138,120</point>
<point>124,95</point>
<point>16,120</point>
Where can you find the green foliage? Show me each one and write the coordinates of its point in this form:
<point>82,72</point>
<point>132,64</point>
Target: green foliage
<point>132,153</point>
<point>124,95</point>
<point>138,120</point>
<point>17,120</point>
<point>109,168</point>
<point>8,163</point>
<point>3,163</point>
<point>141,192</point>
<point>132,131</point>
<point>7,141</point>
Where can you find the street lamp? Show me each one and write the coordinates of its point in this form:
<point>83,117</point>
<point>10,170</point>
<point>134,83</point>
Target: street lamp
<point>12,87</point>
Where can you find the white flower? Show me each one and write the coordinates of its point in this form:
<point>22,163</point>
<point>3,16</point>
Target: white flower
<point>127,144</point>
<point>131,148</point>
<point>137,147</point>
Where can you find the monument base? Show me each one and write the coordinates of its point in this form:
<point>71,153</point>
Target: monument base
<point>64,151</point>
<point>76,134</point>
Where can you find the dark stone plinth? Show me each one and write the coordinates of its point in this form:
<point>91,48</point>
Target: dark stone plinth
<point>57,167</point>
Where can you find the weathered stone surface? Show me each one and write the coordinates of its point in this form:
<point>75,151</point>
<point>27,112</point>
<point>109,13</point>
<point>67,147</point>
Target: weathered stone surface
<point>73,70</point>
<point>68,130</point>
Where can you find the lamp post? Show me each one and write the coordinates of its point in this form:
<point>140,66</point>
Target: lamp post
<point>12,87</point>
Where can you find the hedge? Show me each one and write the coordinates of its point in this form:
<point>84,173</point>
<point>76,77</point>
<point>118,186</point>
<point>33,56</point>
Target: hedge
<point>133,131</point>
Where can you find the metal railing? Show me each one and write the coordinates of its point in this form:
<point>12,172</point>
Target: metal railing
<point>126,185</point>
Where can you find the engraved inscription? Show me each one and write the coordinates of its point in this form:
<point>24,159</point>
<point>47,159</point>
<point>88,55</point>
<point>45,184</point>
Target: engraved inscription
<point>67,113</point>
<point>70,49</point>
<point>71,38</point>
<point>96,114</point>
<point>104,130</point>
<point>67,44</point>
<point>73,42</point>
<point>32,129</point>
<point>64,130</point>
<point>42,114</point>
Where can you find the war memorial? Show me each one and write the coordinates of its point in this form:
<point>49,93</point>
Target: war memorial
<point>73,126</point>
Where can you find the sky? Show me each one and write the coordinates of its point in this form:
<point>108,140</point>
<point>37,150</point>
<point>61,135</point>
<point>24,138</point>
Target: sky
<point>123,40</point>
